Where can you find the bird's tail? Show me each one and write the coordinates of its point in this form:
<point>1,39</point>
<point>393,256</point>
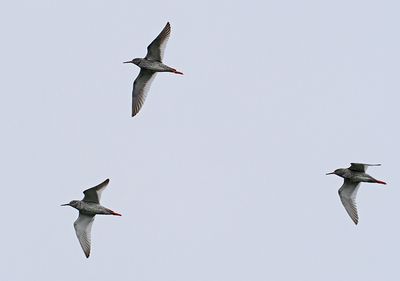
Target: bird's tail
<point>380,182</point>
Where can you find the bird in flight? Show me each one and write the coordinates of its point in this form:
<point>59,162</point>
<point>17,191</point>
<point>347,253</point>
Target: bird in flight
<point>353,176</point>
<point>88,207</point>
<point>149,66</point>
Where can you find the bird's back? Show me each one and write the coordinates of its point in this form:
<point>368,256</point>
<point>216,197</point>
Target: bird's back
<point>91,209</point>
<point>153,65</point>
<point>357,176</point>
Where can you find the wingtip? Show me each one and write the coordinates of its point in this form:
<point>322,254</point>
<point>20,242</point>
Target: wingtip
<point>177,72</point>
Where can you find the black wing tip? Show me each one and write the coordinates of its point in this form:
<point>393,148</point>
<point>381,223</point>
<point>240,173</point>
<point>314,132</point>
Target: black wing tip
<point>105,182</point>
<point>135,112</point>
<point>167,27</point>
<point>354,163</point>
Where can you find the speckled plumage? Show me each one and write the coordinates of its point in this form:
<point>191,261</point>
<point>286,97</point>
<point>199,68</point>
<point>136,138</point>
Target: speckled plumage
<point>149,66</point>
<point>353,176</point>
<point>88,207</point>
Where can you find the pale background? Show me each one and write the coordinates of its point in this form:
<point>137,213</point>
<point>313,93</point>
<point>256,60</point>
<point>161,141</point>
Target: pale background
<point>221,176</point>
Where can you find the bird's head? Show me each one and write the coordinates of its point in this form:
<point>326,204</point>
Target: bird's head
<point>73,203</point>
<point>338,172</point>
<point>135,61</point>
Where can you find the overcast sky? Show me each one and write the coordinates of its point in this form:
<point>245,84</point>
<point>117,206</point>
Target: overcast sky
<point>221,176</point>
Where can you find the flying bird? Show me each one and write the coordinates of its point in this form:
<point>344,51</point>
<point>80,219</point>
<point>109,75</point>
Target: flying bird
<point>88,207</point>
<point>149,66</point>
<point>353,176</point>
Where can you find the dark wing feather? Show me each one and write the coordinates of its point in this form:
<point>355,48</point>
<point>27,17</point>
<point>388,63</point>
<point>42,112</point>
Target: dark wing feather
<point>155,51</point>
<point>83,228</point>
<point>348,193</point>
<point>93,194</point>
<point>361,167</point>
<point>141,87</point>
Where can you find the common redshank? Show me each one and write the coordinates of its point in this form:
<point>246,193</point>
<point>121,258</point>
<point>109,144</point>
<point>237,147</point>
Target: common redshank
<point>88,207</point>
<point>149,66</point>
<point>353,176</point>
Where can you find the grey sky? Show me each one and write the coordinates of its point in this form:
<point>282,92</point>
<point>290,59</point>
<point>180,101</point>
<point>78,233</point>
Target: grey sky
<point>221,176</point>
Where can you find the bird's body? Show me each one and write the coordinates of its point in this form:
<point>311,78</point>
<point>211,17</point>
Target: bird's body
<point>357,176</point>
<point>149,66</point>
<point>91,209</point>
<point>155,66</point>
<point>88,207</point>
<point>353,176</point>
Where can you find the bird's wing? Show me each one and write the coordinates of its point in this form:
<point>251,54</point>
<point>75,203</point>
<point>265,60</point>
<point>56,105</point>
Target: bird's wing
<point>361,167</point>
<point>155,51</point>
<point>93,194</point>
<point>83,228</point>
<point>141,87</point>
<point>348,193</point>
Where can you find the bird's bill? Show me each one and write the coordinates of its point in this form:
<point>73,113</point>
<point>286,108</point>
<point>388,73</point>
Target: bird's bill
<point>332,173</point>
<point>65,204</point>
<point>127,61</point>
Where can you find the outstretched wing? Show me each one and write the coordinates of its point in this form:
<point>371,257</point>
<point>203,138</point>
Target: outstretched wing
<point>348,193</point>
<point>141,87</point>
<point>360,167</point>
<point>93,194</point>
<point>83,228</point>
<point>155,51</point>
